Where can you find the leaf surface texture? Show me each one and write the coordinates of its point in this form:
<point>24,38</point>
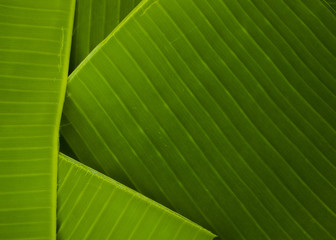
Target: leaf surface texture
<point>94,20</point>
<point>224,111</point>
<point>35,39</point>
<point>93,206</point>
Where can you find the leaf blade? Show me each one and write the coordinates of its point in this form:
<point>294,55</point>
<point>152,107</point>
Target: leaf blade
<point>92,205</point>
<point>232,97</point>
<point>94,20</point>
<point>35,47</point>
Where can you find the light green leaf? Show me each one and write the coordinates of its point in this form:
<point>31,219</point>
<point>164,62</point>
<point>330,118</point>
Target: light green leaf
<point>93,206</point>
<point>94,20</point>
<point>35,37</point>
<point>224,111</point>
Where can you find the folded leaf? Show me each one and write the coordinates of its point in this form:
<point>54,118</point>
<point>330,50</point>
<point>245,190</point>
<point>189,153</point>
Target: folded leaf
<point>225,111</point>
<point>93,206</point>
<point>35,38</point>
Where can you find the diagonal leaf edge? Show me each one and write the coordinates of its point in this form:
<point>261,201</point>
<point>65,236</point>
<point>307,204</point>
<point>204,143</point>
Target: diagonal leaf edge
<point>92,205</point>
<point>95,20</point>
<point>290,105</point>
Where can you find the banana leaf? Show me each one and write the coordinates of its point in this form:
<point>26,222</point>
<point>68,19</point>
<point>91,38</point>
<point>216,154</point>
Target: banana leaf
<point>94,20</point>
<point>332,4</point>
<point>224,111</point>
<point>35,40</point>
<point>93,206</point>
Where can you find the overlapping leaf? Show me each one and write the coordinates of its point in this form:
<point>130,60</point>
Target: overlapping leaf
<point>222,110</point>
<point>93,206</point>
<point>35,38</point>
<point>94,20</point>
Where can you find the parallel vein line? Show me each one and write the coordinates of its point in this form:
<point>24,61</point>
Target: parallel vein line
<point>101,139</point>
<point>110,234</point>
<point>121,134</point>
<point>209,116</point>
<point>243,110</point>
<point>263,137</point>
<point>170,140</point>
<point>251,147</point>
<point>261,109</point>
<point>75,201</point>
<point>309,29</point>
<point>84,212</point>
<point>209,138</point>
<point>271,82</point>
<point>294,51</point>
<point>107,201</point>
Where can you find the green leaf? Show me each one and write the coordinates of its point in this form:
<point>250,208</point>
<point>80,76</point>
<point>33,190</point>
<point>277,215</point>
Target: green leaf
<point>93,206</point>
<point>224,111</point>
<point>94,20</point>
<point>35,38</point>
<point>331,3</point>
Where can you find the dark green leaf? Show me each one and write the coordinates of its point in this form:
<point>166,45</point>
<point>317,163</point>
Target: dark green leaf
<point>94,20</point>
<point>224,111</point>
